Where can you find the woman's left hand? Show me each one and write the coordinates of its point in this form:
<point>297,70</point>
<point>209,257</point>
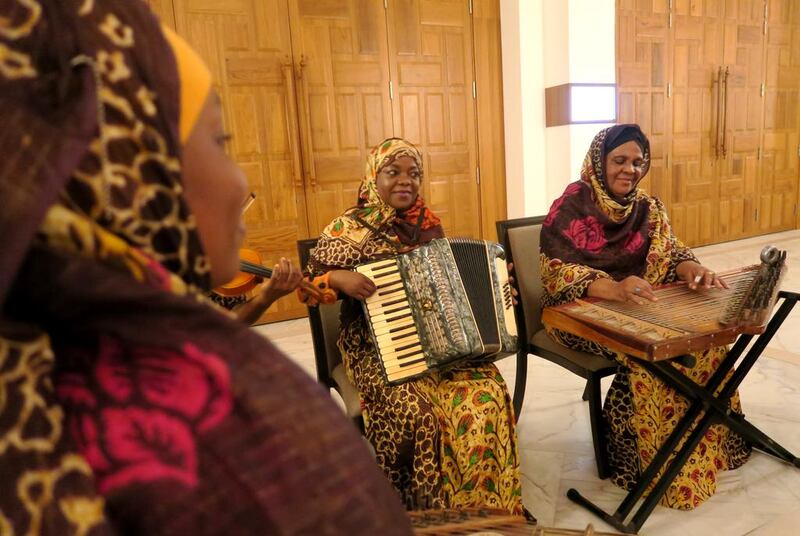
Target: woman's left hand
<point>285,278</point>
<point>512,283</point>
<point>698,276</point>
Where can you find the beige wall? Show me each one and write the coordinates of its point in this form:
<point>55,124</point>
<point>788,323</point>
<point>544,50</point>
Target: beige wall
<point>547,43</point>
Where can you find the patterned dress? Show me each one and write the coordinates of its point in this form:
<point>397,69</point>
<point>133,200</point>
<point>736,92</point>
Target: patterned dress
<point>129,403</point>
<point>589,235</point>
<point>446,439</point>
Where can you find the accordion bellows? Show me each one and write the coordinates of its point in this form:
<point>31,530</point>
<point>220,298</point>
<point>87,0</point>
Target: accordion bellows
<point>444,302</point>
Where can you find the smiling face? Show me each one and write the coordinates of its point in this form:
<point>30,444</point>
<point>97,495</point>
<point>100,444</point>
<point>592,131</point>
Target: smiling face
<point>215,188</point>
<point>398,182</point>
<point>623,168</point>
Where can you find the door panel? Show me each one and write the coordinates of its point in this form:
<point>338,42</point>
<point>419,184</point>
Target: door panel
<point>246,45</point>
<point>778,187</point>
<point>642,68</point>
<point>742,120</point>
<point>342,69</point>
<point>697,54</point>
<point>430,46</point>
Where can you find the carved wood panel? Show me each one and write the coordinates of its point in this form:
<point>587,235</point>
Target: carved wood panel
<point>342,65</point>
<point>778,188</point>
<point>430,46</point>
<point>642,75</point>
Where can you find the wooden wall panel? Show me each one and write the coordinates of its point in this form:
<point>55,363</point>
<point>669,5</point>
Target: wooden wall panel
<point>491,144</point>
<point>778,187</point>
<point>696,50</point>
<point>342,68</point>
<point>732,143</point>
<point>642,71</point>
<point>433,98</point>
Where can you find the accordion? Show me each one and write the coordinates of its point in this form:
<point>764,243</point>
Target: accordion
<point>444,302</point>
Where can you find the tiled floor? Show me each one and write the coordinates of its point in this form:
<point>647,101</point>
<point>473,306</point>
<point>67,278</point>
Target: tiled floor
<point>762,497</point>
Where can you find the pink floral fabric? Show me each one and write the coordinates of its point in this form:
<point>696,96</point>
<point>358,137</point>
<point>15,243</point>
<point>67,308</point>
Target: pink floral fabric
<point>586,234</point>
<point>138,419</point>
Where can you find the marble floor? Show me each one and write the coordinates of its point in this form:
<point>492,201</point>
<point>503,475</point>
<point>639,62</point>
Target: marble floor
<point>761,498</point>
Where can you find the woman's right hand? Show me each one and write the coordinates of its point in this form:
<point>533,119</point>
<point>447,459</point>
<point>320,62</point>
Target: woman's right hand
<point>631,289</point>
<point>353,284</point>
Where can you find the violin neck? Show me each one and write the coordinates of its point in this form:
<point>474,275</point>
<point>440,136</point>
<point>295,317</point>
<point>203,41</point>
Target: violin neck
<point>255,269</point>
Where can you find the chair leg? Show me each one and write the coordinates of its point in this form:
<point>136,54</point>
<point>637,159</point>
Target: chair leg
<point>598,425</point>
<point>359,422</point>
<point>520,381</point>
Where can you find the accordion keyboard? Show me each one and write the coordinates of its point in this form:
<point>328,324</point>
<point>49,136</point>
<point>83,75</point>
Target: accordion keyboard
<point>396,336</point>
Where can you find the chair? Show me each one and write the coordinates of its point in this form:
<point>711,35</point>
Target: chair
<point>520,238</point>
<point>324,321</point>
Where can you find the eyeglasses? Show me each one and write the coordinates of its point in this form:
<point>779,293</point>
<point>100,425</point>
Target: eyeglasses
<point>248,202</point>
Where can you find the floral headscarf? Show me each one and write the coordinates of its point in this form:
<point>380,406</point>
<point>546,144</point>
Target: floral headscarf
<point>373,227</point>
<point>589,233</point>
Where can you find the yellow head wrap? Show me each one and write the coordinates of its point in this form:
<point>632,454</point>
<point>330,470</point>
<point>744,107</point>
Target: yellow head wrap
<point>195,80</point>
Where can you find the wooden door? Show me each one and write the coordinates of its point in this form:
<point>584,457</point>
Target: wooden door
<point>778,188</point>
<point>247,47</point>
<point>743,42</point>
<point>642,76</point>
<point>431,58</point>
<point>697,56</point>
<point>342,69</point>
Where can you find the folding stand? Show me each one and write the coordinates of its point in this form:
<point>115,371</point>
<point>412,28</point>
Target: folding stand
<point>710,409</point>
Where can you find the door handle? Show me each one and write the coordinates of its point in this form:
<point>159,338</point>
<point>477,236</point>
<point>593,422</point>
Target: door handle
<point>725,113</point>
<point>287,69</point>
<point>718,82</point>
<point>311,172</point>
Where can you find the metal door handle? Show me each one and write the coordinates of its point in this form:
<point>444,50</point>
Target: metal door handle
<point>287,68</point>
<point>311,171</point>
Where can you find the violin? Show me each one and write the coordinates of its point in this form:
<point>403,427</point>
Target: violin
<point>253,272</point>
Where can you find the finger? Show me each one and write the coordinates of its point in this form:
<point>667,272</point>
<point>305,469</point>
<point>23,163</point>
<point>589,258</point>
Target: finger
<point>635,299</point>
<point>693,282</point>
<point>278,275</point>
<point>719,282</point>
<point>708,279</point>
<point>643,291</point>
<point>510,267</point>
<point>648,294</point>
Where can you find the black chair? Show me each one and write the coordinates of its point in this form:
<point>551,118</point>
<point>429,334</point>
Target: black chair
<point>520,238</point>
<point>324,321</point>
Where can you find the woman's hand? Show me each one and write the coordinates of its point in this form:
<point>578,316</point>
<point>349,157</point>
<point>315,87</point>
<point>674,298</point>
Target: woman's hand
<point>512,284</point>
<point>631,289</point>
<point>353,284</point>
<point>698,276</point>
<point>286,277</point>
